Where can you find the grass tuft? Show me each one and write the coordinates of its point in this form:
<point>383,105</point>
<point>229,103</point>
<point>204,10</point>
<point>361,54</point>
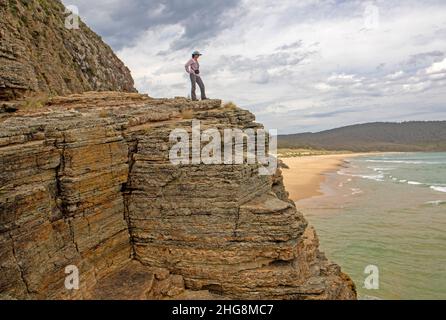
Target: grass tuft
<point>35,102</point>
<point>230,105</point>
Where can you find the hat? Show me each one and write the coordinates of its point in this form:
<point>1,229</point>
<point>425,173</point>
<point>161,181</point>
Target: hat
<point>196,53</point>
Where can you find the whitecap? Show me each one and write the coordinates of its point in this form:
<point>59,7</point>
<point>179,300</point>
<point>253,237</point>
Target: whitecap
<point>367,297</point>
<point>438,188</point>
<point>436,202</point>
<point>377,177</point>
<point>406,161</point>
<point>343,173</point>
<point>380,169</point>
<point>415,183</point>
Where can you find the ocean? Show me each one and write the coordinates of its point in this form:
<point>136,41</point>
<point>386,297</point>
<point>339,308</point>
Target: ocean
<point>387,211</point>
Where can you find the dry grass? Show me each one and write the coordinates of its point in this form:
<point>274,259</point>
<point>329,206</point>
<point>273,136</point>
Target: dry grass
<point>35,102</point>
<point>230,105</point>
<point>187,114</point>
<point>104,113</point>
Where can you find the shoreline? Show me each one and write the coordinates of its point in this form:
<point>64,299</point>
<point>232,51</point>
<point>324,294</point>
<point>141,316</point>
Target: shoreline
<point>376,213</point>
<point>306,174</point>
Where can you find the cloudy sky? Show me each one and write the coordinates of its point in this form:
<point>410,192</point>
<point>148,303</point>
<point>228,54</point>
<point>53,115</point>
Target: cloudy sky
<point>300,66</point>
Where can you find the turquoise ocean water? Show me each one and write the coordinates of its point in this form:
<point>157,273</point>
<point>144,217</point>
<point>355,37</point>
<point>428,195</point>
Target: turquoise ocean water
<point>388,211</point>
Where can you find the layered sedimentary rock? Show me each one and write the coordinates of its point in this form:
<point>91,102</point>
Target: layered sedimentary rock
<point>87,181</point>
<point>39,54</point>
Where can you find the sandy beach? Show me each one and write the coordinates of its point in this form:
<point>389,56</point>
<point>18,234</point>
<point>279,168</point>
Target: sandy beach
<point>305,174</point>
<point>385,209</point>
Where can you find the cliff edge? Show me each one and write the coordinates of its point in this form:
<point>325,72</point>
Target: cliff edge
<point>87,188</point>
<point>87,181</point>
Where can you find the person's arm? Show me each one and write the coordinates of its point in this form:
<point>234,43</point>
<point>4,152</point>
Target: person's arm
<point>187,66</point>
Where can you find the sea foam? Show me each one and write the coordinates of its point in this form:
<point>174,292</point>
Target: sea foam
<point>436,202</point>
<point>406,161</point>
<point>438,188</point>
<point>415,183</point>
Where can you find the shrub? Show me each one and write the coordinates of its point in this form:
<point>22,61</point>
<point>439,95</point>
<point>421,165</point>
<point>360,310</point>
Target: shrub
<point>230,105</point>
<point>35,102</point>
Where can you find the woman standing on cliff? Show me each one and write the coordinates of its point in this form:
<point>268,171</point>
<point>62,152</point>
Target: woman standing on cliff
<point>193,69</point>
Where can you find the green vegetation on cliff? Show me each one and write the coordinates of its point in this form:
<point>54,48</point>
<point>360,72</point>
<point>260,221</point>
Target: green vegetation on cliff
<point>39,54</point>
<point>378,136</point>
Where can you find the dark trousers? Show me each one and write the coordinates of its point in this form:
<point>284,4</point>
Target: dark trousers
<point>194,79</point>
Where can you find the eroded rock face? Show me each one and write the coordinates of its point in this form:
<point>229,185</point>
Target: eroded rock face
<point>38,54</point>
<point>87,181</point>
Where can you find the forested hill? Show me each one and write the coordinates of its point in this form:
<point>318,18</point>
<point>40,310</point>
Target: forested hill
<point>378,136</point>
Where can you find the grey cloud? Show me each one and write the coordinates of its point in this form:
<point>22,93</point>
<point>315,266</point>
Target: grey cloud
<point>424,59</point>
<point>408,76</point>
<point>294,70</point>
<point>380,67</point>
<point>121,23</point>
<point>180,86</point>
<point>260,76</point>
<point>260,67</point>
<point>436,109</point>
<point>423,39</point>
<point>265,62</point>
<point>330,114</point>
<point>294,45</point>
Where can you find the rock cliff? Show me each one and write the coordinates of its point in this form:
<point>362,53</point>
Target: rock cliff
<point>38,54</point>
<point>87,181</point>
